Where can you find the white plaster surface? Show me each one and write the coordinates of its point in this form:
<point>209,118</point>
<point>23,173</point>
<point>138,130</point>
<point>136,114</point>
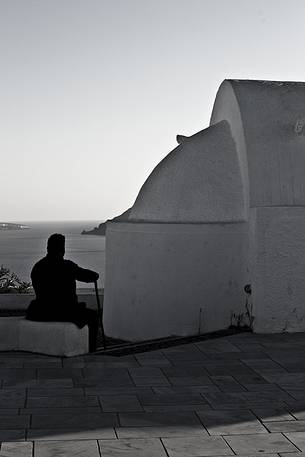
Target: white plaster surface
<point>249,165</point>
<point>267,120</point>
<point>278,268</point>
<point>173,279</point>
<point>199,181</point>
<point>51,338</point>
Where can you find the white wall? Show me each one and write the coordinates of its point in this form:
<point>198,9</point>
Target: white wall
<point>267,120</point>
<point>159,277</point>
<point>278,269</point>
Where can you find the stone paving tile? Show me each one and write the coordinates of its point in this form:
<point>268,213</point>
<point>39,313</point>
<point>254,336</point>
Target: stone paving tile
<point>106,372</point>
<point>230,423</point>
<point>16,449</point>
<point>19,373</point>
<point>8,411</point>
<point>55,392</point>
<point>185,389</point>
<point>298,413</point>
<point>230,368</point>
<point>253,379</point>
<point>227,384</point>
<point>250,347</point>
<point>297,438</point>
<point>11,363</point>
<point>173,408</point>
<point>104,377</point>
<point>161,431</point>
<point>72,421</point>
<point>12,435</point>
<point>296,394</point>
<point>33,382</point>
<point>132,448</point>
<point>53,363</point>
<point>152,359</point>
<point>184,351</point>
<point>292,386</point>
<point>187,371</point>
<point>265,395</point>
<point>102,433</point>
<point>158,419</point>
<point>286,426</point>
<point>120,403</point>
<point>280,378</point>
<point>263,388</point>
<point>19,382</point>
<point>238,400</point>
<point>62,410</point>
<point>12,398</point>
<point>267,414</point>
<point>269,442</point>
<point>67,448</point>
<point>49,373</point>
<point>248,397</point>
<point>264,365</point>
<point>61,402</point>
<point>237,356</point>
<point>222,345</point>
<point>196,446</point>
<point>107,361</point>
<point>148,376</point>
<point>128,390</point>
<point>54,383</point>
<point>171,399</point>
<point>14,422</point>
<point>190,381</point>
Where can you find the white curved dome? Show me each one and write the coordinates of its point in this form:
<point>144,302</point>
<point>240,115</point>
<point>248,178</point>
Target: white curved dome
<point>199,181</point>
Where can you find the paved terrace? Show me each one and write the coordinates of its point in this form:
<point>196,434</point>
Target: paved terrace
<point>240,395</point>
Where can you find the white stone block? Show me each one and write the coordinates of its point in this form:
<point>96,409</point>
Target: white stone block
<point>9,333</point>
<point>51,338</point>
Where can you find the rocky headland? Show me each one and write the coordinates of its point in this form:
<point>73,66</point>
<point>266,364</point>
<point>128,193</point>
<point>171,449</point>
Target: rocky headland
<point>100,230</point>
<point>11,226</point>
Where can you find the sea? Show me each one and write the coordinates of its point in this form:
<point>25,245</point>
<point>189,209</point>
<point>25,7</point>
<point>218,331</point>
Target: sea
<point>21,249</point>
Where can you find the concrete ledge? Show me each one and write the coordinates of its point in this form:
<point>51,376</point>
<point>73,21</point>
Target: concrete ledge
<point>50,338</point>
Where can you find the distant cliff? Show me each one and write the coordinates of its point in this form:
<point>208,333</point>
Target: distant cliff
<point>11,226</point>
<point>101,228</point>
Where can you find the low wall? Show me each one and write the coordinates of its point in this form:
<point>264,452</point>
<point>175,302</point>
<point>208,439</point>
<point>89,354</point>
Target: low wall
<point>22,301</point>
<point>173,279</point>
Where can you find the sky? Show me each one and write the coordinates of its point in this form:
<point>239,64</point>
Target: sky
<point>94,92</point>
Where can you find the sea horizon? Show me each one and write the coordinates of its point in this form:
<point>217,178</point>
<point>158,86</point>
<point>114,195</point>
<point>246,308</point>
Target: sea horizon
<point>21,249</point>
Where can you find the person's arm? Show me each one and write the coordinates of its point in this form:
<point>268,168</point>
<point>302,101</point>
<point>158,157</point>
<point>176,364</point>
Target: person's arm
<point>84,275</point>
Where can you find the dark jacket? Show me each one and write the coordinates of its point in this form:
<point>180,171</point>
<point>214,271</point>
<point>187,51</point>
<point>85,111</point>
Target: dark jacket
<point>54,283</point>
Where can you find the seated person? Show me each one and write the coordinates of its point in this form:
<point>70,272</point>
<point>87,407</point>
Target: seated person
<point>54,283</point>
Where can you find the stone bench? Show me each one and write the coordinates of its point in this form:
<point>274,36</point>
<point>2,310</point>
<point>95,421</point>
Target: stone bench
<point>50,338</point>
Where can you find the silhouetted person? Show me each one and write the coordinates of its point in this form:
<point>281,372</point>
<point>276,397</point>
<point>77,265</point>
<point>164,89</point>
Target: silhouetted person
<point>54,282</point>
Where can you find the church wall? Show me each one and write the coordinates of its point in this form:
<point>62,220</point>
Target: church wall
<point>267,120</point>
<point>173,279</point>
<point>278,269</point>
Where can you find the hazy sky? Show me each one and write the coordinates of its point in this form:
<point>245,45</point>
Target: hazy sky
<point>93,92</point>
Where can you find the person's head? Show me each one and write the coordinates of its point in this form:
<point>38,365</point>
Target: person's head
<point>56,245</point>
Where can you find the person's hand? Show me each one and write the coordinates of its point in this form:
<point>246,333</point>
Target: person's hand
<point>96,276</point>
